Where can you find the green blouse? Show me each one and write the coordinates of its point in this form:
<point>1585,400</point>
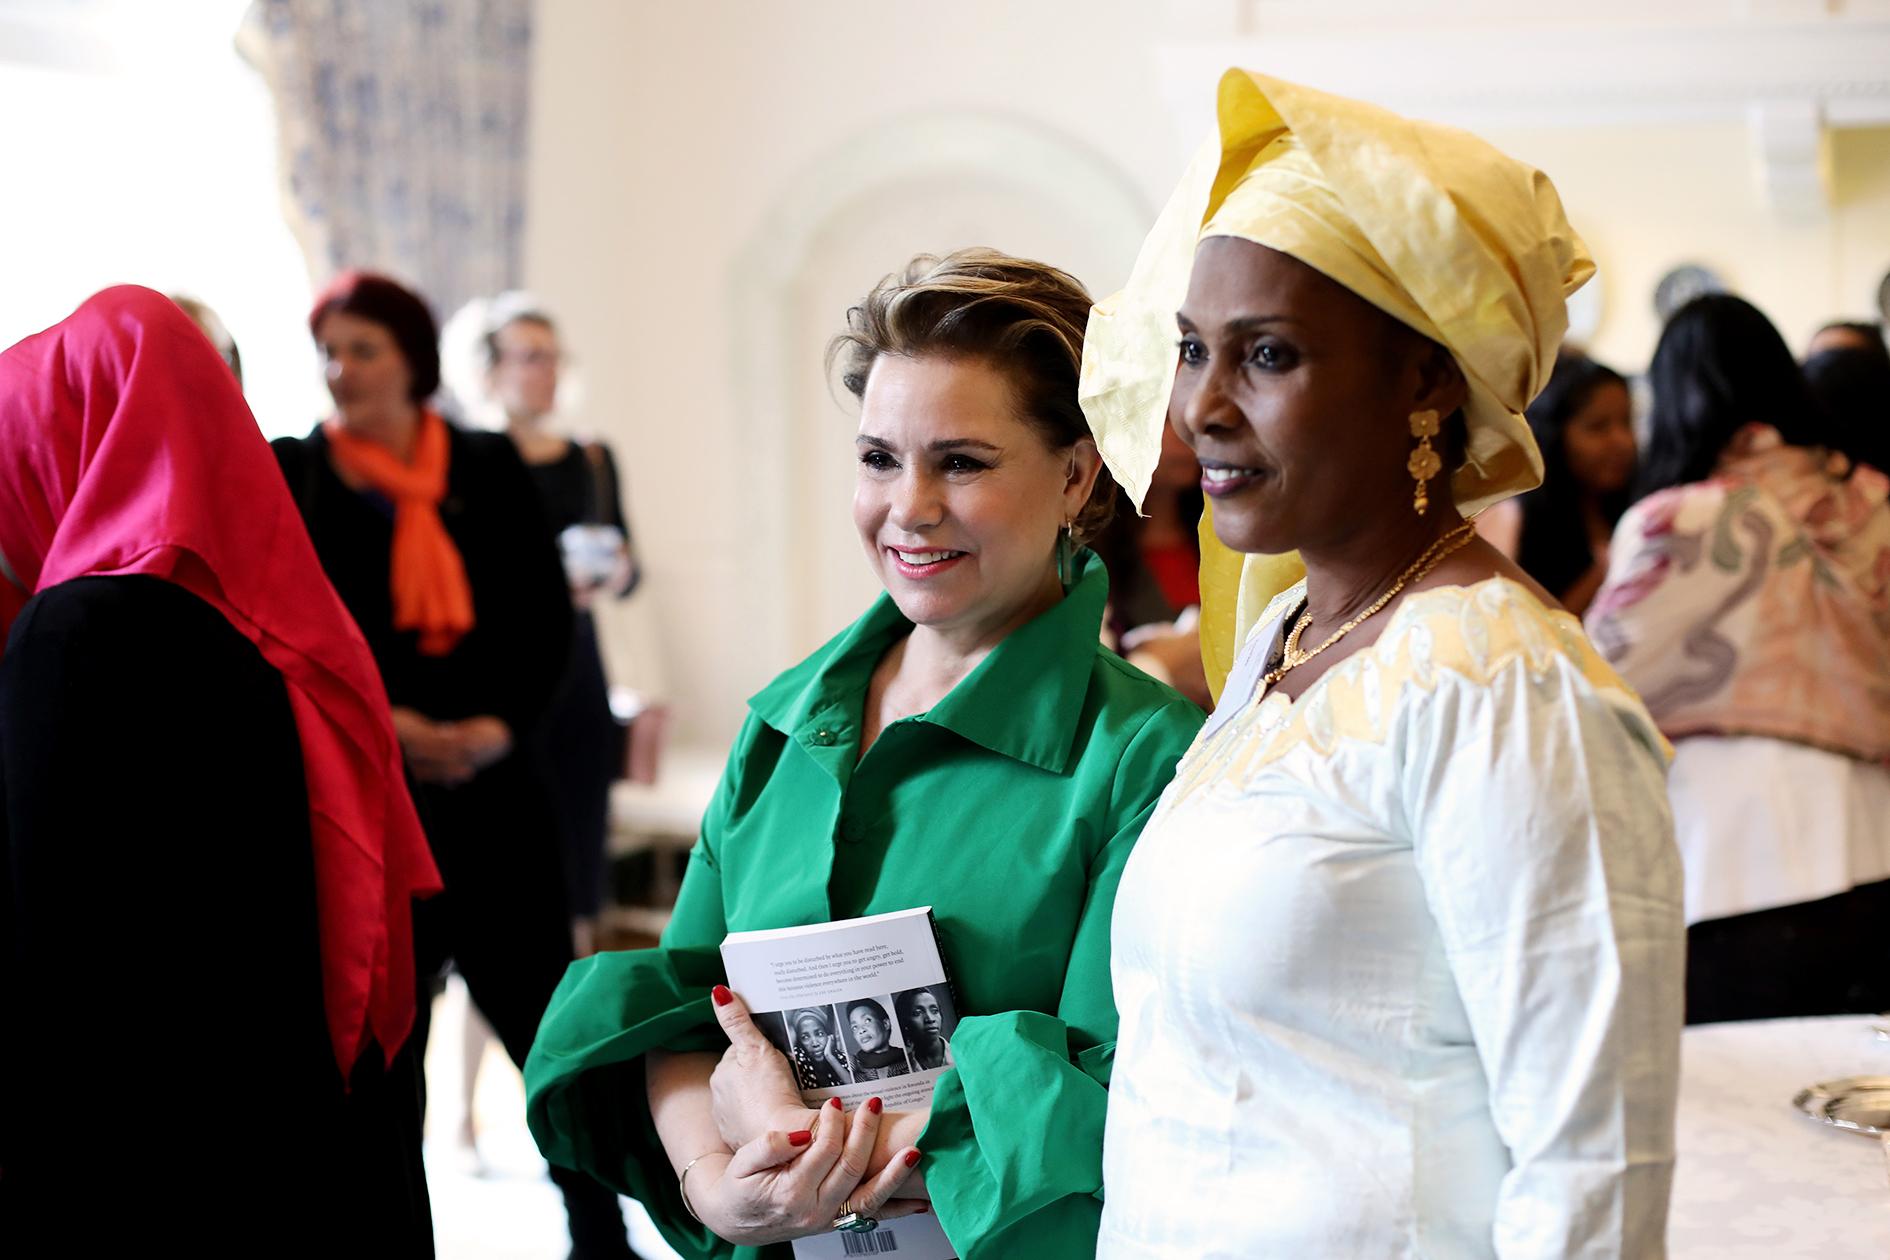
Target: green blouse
<point>1009,808</point>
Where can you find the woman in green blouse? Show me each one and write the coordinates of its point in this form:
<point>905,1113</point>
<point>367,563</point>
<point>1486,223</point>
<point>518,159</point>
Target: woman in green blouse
<point>967,744</point>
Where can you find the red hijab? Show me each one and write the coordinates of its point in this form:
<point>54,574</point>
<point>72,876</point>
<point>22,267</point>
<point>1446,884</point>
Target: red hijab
<point>126,447</point>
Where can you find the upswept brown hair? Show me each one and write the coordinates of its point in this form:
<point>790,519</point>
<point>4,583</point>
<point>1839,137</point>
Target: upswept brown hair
<point>1026,319</point>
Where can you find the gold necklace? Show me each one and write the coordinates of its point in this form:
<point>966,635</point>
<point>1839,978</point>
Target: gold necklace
<point>1290,655</point>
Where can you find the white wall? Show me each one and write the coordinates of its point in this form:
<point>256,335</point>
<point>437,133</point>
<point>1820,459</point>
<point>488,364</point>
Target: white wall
<point>674,147</point>
<point>667,141</point>
<point>1646,198</point>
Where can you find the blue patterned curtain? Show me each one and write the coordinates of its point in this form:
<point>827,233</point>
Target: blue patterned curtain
<point>403,135</point>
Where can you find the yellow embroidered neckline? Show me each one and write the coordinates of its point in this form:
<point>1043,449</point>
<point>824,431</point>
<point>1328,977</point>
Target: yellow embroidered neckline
<point>1475,632</point>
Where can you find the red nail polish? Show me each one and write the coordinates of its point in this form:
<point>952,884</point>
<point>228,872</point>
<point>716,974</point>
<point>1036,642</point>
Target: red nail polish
<point>912,1159</point>
<point>800,1137</point>
<point>873,1105</point>
<point>834,1103</point>
<point>721,995</point>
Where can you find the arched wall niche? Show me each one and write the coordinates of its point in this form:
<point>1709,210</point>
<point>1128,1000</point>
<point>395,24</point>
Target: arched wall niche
<point>922,183</point>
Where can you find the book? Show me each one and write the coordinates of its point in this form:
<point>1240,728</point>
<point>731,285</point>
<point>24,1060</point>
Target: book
<point>861,1008</point>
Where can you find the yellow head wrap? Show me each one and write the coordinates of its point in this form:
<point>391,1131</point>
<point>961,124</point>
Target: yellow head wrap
<point>1430,224</point>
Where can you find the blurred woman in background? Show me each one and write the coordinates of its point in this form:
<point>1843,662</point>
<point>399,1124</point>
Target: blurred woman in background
<point>1853,388</point>
<point>581,495</point>
<point>1748,600</point>
<point>434,538</point>
<point>1154,565</point>
<point>1154,561</point>
<point>212,326</point>
<point>1559,532</point>
<point>1848,335</point>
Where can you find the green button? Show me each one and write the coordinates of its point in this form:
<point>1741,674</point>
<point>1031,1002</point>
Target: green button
<point>823,737</point>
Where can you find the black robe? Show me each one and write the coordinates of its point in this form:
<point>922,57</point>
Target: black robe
<point>166,1074</point>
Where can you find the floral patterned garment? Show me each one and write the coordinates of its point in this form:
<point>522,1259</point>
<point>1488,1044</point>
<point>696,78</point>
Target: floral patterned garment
<point>1758,602</point>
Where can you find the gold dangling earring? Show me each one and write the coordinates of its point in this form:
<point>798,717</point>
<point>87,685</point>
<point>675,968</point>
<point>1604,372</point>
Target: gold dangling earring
<point>1424,462</point>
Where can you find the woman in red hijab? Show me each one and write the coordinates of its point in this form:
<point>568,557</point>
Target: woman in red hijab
<point>211,854</point>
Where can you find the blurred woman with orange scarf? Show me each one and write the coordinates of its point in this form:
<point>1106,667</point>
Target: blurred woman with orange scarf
<point>434,539</point>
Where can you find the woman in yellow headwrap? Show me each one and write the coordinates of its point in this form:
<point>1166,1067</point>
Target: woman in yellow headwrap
<point>1399,957</point>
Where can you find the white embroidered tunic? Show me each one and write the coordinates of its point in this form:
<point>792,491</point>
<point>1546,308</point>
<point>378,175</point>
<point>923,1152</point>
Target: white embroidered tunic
<point>1400,964</point>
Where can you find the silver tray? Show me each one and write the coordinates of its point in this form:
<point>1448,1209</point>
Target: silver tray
<point>1856,1104</point>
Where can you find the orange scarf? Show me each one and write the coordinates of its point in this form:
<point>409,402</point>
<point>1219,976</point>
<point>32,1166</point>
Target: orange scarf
<point>428,577</point>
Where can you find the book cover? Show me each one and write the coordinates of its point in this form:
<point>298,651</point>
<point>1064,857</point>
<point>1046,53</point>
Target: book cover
<point>861,1008</point>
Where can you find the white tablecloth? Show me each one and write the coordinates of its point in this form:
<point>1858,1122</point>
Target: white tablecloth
<point>1756,1179</point>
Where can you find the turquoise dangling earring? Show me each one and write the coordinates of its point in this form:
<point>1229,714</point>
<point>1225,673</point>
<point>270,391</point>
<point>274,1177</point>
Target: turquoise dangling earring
<point>1066,558</point>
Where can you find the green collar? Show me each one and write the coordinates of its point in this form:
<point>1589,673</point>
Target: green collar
<point>1022,701</point>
